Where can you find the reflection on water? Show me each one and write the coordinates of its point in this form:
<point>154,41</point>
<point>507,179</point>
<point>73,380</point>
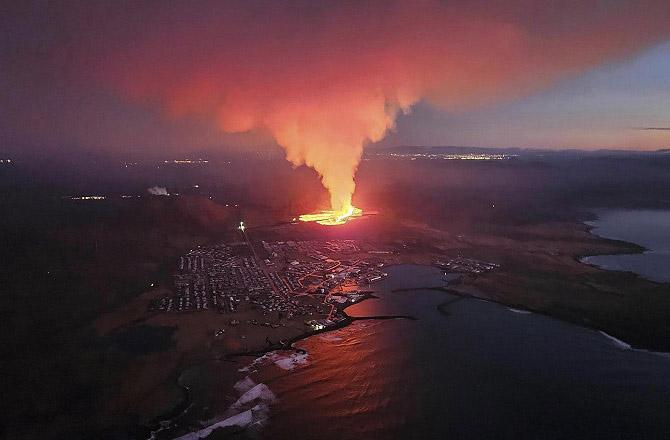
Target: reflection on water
<point>648,228</point>
<point>477,371</point>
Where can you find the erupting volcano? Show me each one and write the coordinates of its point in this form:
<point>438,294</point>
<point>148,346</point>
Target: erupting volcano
<point>324,80</point>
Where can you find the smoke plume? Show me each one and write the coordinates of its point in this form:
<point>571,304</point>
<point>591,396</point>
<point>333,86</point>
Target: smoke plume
<point>326,79</point>
<point>158,191</point>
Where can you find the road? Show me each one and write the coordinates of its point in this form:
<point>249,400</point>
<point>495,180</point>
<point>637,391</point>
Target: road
<point>259,261</point>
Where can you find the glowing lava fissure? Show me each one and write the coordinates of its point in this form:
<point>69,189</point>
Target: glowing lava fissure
<point>332,218</point>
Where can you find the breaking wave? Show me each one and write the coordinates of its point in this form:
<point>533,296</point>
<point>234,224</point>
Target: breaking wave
<point>521,312</point>
<point>281,360</point>
<point>251,409</point>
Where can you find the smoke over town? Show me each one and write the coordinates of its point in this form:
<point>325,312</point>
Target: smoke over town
<point>326,80</point>
<point>158,191</point>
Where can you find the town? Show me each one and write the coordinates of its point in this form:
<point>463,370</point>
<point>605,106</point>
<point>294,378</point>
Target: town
<point>284,280</point>
<point>466,265</point>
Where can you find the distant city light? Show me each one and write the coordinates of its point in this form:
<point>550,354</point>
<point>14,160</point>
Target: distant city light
<point>187,161</point>
<point>448,156</point>
<point>86,197</point>
<point>241,227</point>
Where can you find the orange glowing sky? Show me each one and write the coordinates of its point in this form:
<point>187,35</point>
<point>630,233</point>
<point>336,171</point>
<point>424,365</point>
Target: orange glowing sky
<point>324,80</point>
<point>321,79</point>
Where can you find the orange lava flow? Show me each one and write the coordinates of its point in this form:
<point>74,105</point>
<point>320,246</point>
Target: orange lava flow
<point>332,218</point>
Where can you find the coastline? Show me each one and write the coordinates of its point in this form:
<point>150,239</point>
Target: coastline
<point>443,308</point>
<point>627,247</point>
<point>630,249</point>
<point>610,247</point>
<point>165,420</point>
<point>633,249</point>
<point>522,309</point>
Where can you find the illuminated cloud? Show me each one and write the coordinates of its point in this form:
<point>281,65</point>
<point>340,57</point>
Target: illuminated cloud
<point>325,78</point>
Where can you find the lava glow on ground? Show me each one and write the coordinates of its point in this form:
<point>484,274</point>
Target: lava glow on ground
<point>332,218</point>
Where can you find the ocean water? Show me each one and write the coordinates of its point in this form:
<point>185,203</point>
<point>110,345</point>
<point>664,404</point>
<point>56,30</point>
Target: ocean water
<point>473,370</point>
<point>648,228</point>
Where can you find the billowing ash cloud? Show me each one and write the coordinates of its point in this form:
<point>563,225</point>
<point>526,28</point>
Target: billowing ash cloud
<point>326,78</point>
<point>158,191</point>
